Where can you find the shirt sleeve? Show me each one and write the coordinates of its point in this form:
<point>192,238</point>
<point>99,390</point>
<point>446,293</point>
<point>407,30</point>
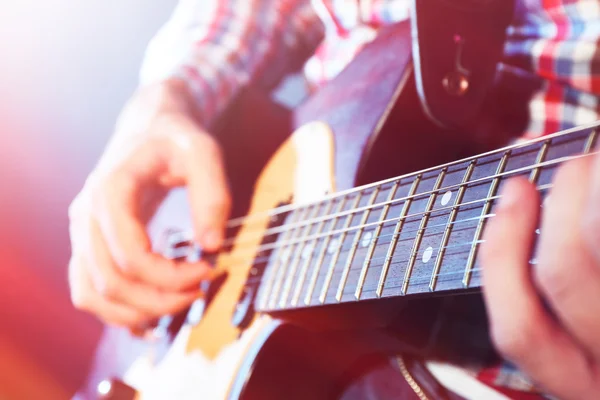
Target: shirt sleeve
<point>220,46</point>
<point>557,42</point>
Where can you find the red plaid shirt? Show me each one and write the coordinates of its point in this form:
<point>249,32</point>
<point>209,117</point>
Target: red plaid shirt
<point>221,45</point>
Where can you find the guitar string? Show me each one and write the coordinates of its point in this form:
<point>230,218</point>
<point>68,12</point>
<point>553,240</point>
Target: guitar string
<point>278,245</point>
<point>259,260</point>
<point>393,260</point>
<point>188,235</point>
<point>454,245</point>
<point>272,231</point>
<point>371,286</point>
<point>275,245</point>
<point>232,223</point>
<point>413,281</point>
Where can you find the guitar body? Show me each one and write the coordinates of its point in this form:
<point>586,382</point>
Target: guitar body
<point>226,350</point>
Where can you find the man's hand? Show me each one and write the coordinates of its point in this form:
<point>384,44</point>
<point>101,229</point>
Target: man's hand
<point>157,145</point>
<point>560,351</point>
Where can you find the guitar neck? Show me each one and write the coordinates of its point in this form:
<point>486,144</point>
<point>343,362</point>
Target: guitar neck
<point>418,233</point>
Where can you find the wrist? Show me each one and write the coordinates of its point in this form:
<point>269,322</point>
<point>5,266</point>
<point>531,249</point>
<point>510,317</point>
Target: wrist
<point>169,96</point>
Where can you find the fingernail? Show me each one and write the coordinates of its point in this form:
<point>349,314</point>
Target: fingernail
<point>508,195</point>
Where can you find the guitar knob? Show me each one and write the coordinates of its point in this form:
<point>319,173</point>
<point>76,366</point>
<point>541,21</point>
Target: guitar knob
<point>114,389</point>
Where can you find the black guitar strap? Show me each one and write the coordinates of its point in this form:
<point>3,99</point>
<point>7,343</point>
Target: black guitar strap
<point>457,45</point>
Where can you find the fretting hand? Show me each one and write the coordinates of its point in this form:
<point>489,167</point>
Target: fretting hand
<point>561,352</point>
<point>157,145</point>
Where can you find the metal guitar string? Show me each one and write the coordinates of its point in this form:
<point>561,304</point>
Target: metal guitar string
<point>472,243</point>
<point>292,207</point>
<point>370,286</point>
<point>479,217</point>
<point>279,229</point>
<point>412,281</point>
<point>277,244</point>
<point>400,261</point>
<point>450,246</point>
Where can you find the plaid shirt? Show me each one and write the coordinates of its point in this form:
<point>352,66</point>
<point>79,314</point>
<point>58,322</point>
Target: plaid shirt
<point>219,46</point>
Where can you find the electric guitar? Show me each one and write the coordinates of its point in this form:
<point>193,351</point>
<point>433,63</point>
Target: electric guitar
<point>320,269</point>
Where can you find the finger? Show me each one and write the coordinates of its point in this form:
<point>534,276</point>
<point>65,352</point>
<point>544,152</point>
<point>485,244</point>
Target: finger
<point>567,273</point>
<point>130,246</point>
<point>521,329</point>
<point>208,191</point>
<point>113,285</point>
<point>84,297</point>
<point>591,222</point>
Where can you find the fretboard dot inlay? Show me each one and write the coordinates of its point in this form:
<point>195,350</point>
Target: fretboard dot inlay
<point>307,251</point>
<point>333,245</point>
<point>533,261</point>
<point>366,240</point>
<point>427,254</point>
<point>446,198</point>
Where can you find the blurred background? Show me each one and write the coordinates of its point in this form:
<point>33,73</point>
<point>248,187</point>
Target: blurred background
<point>66,68</point>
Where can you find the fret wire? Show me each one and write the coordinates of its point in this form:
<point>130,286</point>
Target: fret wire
<point>376,233</point>
<point>436,225</point>
<point>479,217</point>
<point>450,246</point>
<point>304,268</point>
<point>394,241</point>
<point>268,282</point>
<point>446,274</point>
<point>534,175</point>
<point>556,161</point>
<point>420,232</point>
<point>336,255</point>
<point>590,142</point>
<point>318,236</point>
<point>395,219</point>
<point>354,246</point>
<point>470,243</point>
<point>321,257</point>
<point>486,209</point>
<point>294,264</point>
<point>478,269</point>
<point>281,270</point>
<point>450,224</point>
<point>424,280</point>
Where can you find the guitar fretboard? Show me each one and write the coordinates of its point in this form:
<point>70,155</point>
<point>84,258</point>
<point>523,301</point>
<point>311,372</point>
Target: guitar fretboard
<point>414,234</point>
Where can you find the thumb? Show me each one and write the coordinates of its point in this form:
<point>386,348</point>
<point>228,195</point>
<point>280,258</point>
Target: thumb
<point>208,191</point>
